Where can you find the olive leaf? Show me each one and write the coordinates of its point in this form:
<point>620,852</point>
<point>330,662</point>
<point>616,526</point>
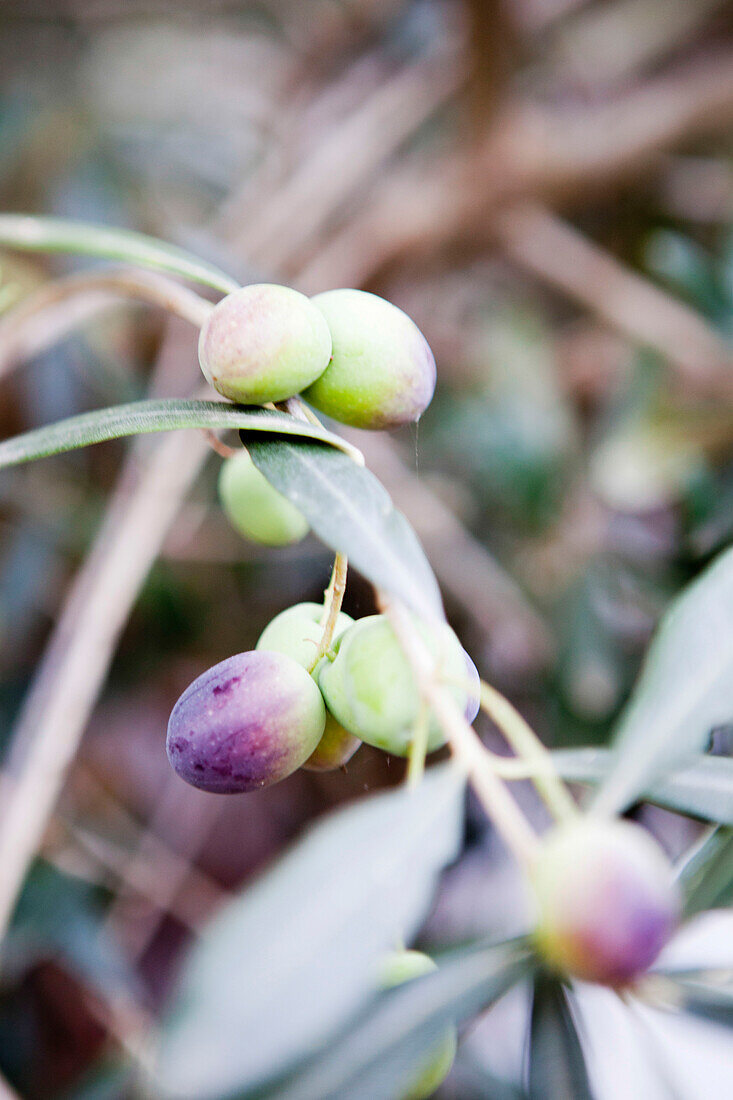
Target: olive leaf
<point>302,947</point>
<point>556,1064</point>
<point>387,1046</point>
<point>350,510</point>
<point>140,417</point>
<point>33,233</point>
<point>702,789</point>
<point>711,999</point>
<point>707,876</point>
<point>685,689</point>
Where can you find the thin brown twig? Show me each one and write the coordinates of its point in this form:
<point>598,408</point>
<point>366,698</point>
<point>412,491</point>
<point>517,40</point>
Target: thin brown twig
<point>178,875</point>
<point>220,448</point>
<point>50,312</point>
<point>550,248</point>
<point>554,154</point>
<point>465,745</point>
<point>6,1092</point>
<point>75,663</point>
<point>518,636</point>
<point>151,877</point>
<point>350,152</point>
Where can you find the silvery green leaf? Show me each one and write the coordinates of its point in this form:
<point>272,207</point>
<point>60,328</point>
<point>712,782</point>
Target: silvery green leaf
<point>285,964</point>
<point>349,509</point>
<point>685,689</point>
<point>34,233</point>
<point>380,1055</point>
<point>703,788</point>
<point>557,1068</point>
<point>140,417</point>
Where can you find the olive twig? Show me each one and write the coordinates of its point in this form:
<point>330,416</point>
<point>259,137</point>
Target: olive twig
<point>529,749</point>
<point>418,746</point>
<point>300,410</point>
<point>145,286</point>
<point>465,744</point>
<point>334,595</point>
<point>222,449</point>
<point>333,599</point>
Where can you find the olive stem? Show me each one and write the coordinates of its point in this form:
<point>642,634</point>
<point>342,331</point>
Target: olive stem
<point>334,595</point>
<point>418,747</point>
<point>531,751</point>
<point>299,409</point>
<point>222,449</point>
<point>465,745</point>
<point>333,599</point>
<point>146,286</point>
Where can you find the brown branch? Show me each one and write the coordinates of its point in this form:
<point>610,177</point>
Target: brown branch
<point>289,217</point>
<point>519,639</point>
<point>546,246</point>
<point>554,154</point>
<point>77,657</point>
<point>47,315</point>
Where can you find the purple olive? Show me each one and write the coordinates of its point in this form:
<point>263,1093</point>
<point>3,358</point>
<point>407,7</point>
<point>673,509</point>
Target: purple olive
<point>246,723</point>
<point>607,902</point>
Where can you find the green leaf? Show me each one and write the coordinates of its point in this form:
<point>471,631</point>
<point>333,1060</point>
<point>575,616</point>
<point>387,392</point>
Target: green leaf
<point>31,233</point>
<point>381,1053</point>
<point>140,417</point>
<point>707,998</point>
<point>684,692</point>
<point>707,877</point>
<point>351,512</point>
<point>702,789</point>
<point>284,965</point>
<point>556,1063</point>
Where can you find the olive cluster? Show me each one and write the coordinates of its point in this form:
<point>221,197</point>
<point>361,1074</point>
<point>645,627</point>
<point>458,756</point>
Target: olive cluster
<point>256,717</point>
<point>354,356</point>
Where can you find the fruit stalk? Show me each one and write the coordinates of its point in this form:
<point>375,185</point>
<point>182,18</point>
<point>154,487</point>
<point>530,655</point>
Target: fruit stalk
<point>531,751</point>
<point>334,597</point>
<point>465,745</point>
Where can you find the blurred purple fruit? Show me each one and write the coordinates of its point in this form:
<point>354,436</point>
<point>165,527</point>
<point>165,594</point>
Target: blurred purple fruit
<point>607,900</point>
<point>246,723</point>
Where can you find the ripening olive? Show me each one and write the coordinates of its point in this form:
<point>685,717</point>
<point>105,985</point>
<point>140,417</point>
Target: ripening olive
<point>263,343</point>
<point>335,748</point>
<point>606,899</point>
<point>404,966</point>
<point>382,371</point>
<point>297,631</point>
<point>370,689</point>
<point>254,507</point>
<point>245,723</point>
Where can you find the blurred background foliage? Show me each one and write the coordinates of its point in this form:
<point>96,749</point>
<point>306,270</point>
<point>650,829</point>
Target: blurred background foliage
<point>546,187</point>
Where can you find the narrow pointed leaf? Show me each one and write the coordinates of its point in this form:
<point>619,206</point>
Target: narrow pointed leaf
<point>140,417</point>
<point>33,233</point>
<point>556,1064</point>
<point>707,877</point>
<point>701,789</point>
<point>711,999</point>
<point>684,692</point>
<point>284,965</point>
<point>352,513</point>
<point>382,1052</point>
